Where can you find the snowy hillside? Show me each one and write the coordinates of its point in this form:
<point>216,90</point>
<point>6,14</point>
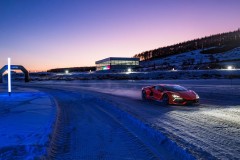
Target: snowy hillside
<point>195,60</point>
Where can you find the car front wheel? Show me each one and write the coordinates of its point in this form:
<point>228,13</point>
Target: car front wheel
<point>165,99</point>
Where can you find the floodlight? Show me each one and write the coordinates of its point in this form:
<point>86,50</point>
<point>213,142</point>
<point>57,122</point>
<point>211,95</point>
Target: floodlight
<point>230,67</point>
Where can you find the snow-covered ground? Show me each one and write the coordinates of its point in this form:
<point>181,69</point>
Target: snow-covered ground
<point>208,131</point>
<point>108,120</point>
<point>26,121</point>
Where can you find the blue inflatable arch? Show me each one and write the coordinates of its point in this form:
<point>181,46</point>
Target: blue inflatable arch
<point>14,67</point>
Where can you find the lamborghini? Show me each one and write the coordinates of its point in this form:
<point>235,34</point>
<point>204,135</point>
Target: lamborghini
<point>170,94</point>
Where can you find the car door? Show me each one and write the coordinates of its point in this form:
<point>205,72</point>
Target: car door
<point>157,92</point>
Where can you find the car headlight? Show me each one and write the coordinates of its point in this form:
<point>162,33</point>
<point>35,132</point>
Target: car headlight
<point>197,96</point>
<point>176,96</point>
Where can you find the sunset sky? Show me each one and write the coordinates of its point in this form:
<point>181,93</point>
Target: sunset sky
<point>45,34</point>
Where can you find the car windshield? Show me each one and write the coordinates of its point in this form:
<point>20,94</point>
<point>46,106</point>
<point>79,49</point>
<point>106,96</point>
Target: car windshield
<point>175,88</point>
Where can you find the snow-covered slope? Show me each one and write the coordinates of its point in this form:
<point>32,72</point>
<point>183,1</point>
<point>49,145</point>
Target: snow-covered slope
<point>193,60</point>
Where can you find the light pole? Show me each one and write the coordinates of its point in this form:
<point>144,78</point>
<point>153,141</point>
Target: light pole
<point>9,77</point>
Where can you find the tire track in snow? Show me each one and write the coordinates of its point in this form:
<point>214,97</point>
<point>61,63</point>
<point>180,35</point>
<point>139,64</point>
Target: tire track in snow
<point>80,120</point>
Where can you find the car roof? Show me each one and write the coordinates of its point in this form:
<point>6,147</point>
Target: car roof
<point>167,85</point>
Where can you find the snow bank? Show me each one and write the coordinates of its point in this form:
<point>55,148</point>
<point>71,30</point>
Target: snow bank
<point>26,120</point>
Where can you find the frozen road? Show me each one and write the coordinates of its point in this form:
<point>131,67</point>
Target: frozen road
<point>85,130</point>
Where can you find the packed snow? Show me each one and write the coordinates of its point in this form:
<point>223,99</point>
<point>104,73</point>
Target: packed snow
<point>108,120</point>
<point>26,120</point>
<point>208,131</point>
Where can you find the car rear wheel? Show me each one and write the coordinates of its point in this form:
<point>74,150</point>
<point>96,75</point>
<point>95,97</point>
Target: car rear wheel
<point>165,99</point>
<point>143,95</point>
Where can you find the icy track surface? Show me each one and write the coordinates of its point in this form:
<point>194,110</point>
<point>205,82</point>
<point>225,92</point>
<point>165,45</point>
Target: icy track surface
<point>208,131</point>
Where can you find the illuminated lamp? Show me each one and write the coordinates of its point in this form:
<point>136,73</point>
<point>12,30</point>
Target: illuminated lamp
<point>9,77</point>
<point>229,67</point>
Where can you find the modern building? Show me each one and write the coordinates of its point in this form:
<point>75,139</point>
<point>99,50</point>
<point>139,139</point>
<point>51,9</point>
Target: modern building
<point>117,64</point>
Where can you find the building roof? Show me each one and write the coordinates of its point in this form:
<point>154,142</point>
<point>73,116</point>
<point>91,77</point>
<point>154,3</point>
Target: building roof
<point>117,58</point>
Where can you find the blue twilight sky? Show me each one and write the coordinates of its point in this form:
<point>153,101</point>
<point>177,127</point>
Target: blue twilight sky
<point>44,34</point>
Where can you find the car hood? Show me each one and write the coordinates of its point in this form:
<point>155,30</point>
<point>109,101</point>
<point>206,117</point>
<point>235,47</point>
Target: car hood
<point>187,95</point>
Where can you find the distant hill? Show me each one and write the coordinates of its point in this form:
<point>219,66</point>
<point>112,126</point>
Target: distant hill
<point>213,44</point>
<point>194,60</point>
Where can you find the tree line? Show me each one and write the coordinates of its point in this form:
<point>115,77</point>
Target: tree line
<point>73,69</point>
<point>210,44</point>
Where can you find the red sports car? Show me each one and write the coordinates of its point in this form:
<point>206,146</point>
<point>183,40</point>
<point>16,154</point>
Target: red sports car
<point>170,94</point>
